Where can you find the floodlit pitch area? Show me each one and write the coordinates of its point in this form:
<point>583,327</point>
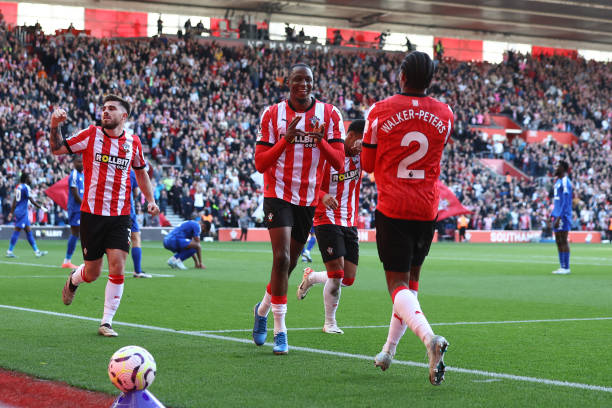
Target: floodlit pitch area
<point>519,336</point>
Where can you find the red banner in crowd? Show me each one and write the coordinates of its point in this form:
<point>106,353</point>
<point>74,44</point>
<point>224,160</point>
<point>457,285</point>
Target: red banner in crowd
<point>462,50</point>
<point>58,192</point>
<point>9,11</point>
<point>111,23</point>
<point>449,205</point>
<point>538,136</point>
<point>360,38</point>
<point>550,51</point>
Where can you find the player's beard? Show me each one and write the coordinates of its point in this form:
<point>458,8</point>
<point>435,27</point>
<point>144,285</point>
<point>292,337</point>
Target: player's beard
<point>111,124</point>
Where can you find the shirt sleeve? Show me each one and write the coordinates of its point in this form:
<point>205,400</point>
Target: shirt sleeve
<point>336,132</point>
<point>138,160</point>
<point>370,140</point>
<point>451,124</point>
<point>266,134</point>
<point>80,140</point>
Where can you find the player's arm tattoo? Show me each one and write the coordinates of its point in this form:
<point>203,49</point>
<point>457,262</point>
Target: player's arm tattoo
<point>56,140</point>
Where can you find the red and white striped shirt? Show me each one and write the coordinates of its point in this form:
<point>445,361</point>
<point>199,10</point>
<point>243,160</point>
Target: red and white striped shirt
<point>106,166</point>
<point>403,142</point>
<point>296,176</point>
<point>344,186</point>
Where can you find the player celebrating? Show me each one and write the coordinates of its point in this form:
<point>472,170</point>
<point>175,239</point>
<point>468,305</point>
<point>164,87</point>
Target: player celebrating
<point>184,241</point>
<point>562,216</point>
<point>297,136</point>
<point>75,198</point>
<point>108,153</point>
<point>135,234</point>
<point>403,143</point>
<point>335,223</point>
<point>19,208</point>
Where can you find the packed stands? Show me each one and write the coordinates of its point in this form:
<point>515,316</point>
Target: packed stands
<point>196,106</point>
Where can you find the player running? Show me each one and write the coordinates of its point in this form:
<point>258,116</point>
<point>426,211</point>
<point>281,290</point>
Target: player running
<point>135,234</point>
<point>562,216</point>
<point>335,223</point>
<point>405,136</point>
<point>108,154</point>
<point>23,195</point>
<point>184,241</point>
<point>75,198</point>
<point>297,136</point>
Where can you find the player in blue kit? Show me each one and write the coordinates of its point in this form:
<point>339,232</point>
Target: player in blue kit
<point>135,234</point>
<point>75,198</point>
<point>22,221</point>
<point>184,241</point>
<point>311,243</point>
<point>562,216</point>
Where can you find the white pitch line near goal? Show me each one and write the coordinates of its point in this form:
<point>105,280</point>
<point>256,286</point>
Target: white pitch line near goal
<point>329,352</point>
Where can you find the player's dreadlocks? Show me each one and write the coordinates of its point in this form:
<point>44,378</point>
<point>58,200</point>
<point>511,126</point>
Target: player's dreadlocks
<point>418,69</point>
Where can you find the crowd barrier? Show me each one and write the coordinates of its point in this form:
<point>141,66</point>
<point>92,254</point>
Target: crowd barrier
<point>365,235</point>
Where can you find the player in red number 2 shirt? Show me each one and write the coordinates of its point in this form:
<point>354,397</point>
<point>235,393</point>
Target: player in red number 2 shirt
<point>403,143</point>
<point>297,137</point>
<point>108,154</point>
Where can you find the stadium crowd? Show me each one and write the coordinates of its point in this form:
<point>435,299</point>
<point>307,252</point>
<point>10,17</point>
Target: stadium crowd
<point>196,108</point>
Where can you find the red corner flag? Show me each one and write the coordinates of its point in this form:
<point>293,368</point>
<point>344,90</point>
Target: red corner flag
<point>58,192</point>
<point>449,205</point>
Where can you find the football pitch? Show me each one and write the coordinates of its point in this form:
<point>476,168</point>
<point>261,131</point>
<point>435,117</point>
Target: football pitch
<point>519,336</point>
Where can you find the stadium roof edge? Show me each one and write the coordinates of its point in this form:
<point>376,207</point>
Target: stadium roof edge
<point>576,24</point>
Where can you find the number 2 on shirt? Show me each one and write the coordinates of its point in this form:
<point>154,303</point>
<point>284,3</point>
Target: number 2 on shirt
<point>403,171</point>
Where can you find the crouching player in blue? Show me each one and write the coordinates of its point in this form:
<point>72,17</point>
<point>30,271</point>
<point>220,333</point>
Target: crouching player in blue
<point>184,241</point>
<point>75,198</point>
<point>22,220</point>
<point>562,216</point>
<point>135,232</point>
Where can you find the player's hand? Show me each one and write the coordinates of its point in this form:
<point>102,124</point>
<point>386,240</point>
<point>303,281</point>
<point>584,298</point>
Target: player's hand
<point>557,222</point>
<point>153,209</point>
<point>292,132</point>
<point>57,117</point>
<point>330,201</point>
<point>9,216</point>
<point>200,266</point>
<point>318,132</point>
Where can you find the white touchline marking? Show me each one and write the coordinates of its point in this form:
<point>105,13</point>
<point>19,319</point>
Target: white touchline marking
<point>127,273</point>
<point>329,352</point>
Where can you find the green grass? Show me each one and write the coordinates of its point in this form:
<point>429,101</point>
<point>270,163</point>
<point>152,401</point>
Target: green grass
<point>459,283</point>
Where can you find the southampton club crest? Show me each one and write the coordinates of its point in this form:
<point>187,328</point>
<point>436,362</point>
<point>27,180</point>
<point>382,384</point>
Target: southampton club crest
<point>270,217</point>
<point>330,250</point>
<point>126,147</point>
<point>314,121</point>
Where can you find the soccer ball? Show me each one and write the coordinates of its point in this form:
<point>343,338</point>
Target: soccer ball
<point>132,368</point>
